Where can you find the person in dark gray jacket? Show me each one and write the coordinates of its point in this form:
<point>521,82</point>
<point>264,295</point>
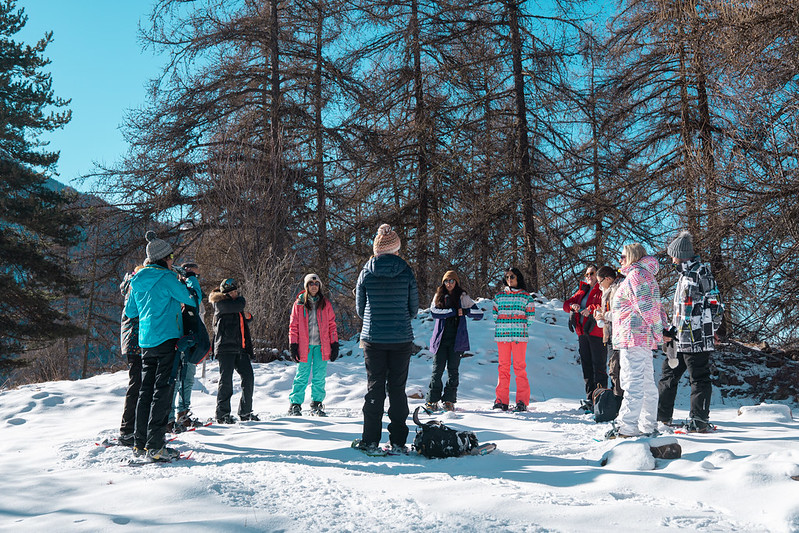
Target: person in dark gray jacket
<point>387,298</point>
<point>129,346</point>
<point>233,349</point>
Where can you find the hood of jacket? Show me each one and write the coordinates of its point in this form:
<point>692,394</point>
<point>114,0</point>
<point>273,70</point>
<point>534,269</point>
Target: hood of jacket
<point>302,296</point>
<point>148,276</point>
<point>647,263</point>
<point>216,296</point>
<point>386,265</point>
<point>686,266</point>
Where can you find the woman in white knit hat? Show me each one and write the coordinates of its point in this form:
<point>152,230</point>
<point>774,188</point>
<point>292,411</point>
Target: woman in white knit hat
<point>313,339</point>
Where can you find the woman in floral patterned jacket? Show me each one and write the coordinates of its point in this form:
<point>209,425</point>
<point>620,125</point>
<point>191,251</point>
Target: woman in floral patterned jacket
<point>637,318</point>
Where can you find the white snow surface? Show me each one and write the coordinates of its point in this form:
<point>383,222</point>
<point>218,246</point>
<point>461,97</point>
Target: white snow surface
<point>300,474</point>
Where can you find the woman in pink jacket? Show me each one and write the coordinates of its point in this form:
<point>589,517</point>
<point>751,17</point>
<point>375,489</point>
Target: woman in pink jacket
<point>313,339</point>
<point>637,330</point>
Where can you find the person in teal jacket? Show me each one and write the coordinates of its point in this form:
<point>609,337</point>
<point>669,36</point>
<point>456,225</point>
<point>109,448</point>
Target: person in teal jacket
<point>155,298</point>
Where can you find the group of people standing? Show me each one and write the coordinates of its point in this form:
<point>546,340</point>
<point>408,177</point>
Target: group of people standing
<point>619,320</point>
<point>616,314</point>
<point>158,397</point>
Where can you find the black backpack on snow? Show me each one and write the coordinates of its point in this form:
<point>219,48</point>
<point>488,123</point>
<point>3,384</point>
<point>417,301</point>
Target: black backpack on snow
<point>435,440</point>
<point>606,406</point>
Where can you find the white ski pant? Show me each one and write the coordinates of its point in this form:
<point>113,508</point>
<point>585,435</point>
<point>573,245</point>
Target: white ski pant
<point>638,413</point>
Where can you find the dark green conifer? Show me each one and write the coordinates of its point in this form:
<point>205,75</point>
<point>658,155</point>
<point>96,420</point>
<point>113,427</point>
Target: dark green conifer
<point>36,226</point>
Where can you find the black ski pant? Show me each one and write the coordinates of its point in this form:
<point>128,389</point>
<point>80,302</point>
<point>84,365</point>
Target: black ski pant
<point>155,395</point>
<point>698,366</point>
<point>446,358</point>
<point>128,425</point>
<point>240,362</point>
<point>594,360</point>
<point>386,368</point>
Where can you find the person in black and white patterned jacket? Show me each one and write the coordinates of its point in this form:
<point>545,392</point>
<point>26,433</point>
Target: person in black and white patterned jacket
<point>697,316</point>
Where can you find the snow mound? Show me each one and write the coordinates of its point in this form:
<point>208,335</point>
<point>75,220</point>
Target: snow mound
<point>631,455</point>
<point>765,413</point>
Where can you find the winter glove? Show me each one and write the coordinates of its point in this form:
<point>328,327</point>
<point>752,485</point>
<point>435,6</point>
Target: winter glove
<point>333,351</point>
<point>295,352</point>
<point>670,349</point>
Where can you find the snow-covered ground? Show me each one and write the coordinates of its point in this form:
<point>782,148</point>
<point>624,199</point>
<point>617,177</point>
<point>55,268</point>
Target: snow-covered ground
<point>299,474</point>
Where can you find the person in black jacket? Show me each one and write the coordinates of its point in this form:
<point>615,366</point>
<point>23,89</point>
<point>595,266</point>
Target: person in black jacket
<point>233,349</point>
<point>387,298</point>
<point>129,347</point>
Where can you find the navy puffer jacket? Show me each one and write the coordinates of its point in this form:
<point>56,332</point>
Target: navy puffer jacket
<point>387,299</point>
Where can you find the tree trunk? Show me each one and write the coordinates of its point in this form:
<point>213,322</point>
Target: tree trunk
<point>423,163</point>
<point>522,167</point>
<point>321,197</point>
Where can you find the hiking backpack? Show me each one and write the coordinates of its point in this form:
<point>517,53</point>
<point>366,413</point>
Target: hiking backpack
<point>435,440</point>
<point>606,406</point>
<point>195,344</point>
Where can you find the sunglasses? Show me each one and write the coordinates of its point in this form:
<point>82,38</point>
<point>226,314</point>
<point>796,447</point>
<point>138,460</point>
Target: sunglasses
<point>314,283</point>
<point>171,256</point>
<point>448,281</point>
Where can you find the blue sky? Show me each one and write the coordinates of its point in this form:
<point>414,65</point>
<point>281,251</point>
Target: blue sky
<point>98,62</point>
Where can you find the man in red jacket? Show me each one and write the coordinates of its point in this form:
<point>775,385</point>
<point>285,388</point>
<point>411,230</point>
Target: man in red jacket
<point>593,353</point>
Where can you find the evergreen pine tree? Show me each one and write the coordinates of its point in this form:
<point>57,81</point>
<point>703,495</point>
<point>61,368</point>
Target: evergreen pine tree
<point>35,226</point>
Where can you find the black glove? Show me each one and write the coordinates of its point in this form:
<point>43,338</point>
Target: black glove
<point>333,351</point>
<point>295,352</point>
<point>571,323</point>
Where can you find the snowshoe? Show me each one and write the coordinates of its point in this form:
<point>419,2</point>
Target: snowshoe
<point>372,450</point>
<point>318,409</point>
<point>483,449</point>
<point>449,406</point>
<point>586,407</point>
<point>227,419</point>
<point>250,417</point>
<point>431,408</point>
<point>520,407</point>
<point>295,409</point>
<point>696,425</point>
<point>394,449</point>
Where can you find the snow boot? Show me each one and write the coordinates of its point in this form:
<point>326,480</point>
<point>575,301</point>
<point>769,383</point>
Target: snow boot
<point>318,409</point>
<point>126,440</point>
<point>163,455</point>
<point>431,407</point>
<point>227,419</point>
<point>697,425</point>
<point>250,417</point>
<point>499,405</point>
<point>449,406</point>
<point>295,409</point>
<point>371,449</point>
<point>520,407</point>
<point>614,433</point>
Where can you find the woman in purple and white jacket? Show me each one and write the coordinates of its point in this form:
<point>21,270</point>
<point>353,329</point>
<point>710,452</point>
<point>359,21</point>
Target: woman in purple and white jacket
<point>450,307</point>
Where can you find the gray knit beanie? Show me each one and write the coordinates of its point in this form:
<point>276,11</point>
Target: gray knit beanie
<point>156,248</point>
<point>682,247</point>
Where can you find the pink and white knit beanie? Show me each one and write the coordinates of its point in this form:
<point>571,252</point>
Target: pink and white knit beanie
<point>386,241</point>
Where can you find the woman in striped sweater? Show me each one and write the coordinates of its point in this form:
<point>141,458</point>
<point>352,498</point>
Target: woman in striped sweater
<point>514,311</point>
